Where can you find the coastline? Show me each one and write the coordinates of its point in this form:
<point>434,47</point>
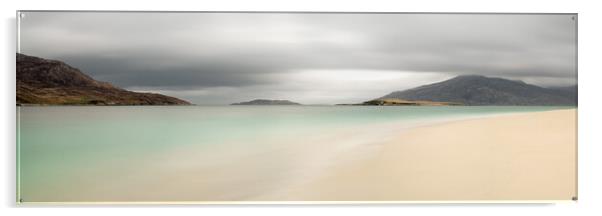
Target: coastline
<point>522,156</point>
<point>344,162</point>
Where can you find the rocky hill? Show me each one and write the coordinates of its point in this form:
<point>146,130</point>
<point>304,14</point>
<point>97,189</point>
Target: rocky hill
<point>44,81</point>
<point>481,90</point>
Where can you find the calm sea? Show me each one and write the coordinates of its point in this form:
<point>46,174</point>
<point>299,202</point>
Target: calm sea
<point>195,153</point>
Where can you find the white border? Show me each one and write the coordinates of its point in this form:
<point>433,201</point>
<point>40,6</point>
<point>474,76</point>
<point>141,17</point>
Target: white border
<point>589,104</point>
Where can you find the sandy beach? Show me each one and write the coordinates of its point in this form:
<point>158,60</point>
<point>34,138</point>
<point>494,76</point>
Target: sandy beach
<point>496,156</point>
<point>527,156</point>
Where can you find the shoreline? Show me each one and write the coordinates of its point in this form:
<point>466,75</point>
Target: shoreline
<point>297,169</point>
<point>518,156</point>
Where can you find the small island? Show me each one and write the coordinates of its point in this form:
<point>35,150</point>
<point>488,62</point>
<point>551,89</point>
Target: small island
<point>267,102</point>
<point>400,102</point>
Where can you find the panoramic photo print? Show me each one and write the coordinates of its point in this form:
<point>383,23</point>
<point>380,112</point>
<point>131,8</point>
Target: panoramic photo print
<point>275,107</point>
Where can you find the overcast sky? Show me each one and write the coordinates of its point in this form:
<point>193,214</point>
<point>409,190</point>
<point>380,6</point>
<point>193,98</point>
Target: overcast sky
<point>221,58</point>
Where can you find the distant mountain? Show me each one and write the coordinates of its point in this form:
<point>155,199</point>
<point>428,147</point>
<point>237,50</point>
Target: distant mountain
<point>43,81</point>
<point>481,90</point>
<point>267,102</point>
<point>567,91</point>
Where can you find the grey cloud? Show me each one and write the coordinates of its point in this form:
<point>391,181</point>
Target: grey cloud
<point>250,51</point>
<point>123,72</point>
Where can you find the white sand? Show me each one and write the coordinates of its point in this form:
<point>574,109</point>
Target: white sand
<point>529,156</point>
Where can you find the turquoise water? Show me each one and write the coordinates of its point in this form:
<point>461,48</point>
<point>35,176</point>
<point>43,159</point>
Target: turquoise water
<point>88,153</point>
